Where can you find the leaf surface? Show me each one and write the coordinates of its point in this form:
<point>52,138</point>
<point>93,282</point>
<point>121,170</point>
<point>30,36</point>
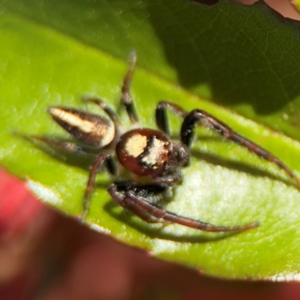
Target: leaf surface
<point>239,63</point>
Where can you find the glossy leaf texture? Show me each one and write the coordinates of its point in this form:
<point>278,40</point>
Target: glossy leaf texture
<point>240,63</point>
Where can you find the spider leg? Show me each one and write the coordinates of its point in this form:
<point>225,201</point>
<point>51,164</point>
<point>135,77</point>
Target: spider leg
<point>118,192</point>
<point>103,105</point>
<point>126,98</point>
<point>99,160</point>
<point>201,117</point>
<point>161,116</point>
<point>94,168</point>
<point>130,205</point>
<point>146,210</point>
<point>57,144</point>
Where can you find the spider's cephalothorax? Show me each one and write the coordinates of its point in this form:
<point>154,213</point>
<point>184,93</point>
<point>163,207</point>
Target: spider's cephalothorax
<point>148,154</point>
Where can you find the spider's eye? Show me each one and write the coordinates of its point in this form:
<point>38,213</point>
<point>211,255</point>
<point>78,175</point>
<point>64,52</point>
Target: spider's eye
<point>143,151</point>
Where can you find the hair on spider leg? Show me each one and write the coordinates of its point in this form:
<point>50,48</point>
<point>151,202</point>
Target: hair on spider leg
<point>150,155</point>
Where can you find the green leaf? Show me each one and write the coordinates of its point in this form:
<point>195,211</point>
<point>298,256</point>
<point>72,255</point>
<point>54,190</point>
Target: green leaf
<point>296,4</point>
<point>233,56</point>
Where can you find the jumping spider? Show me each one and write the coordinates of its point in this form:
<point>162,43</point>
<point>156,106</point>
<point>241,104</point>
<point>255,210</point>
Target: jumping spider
<point>147,154</point>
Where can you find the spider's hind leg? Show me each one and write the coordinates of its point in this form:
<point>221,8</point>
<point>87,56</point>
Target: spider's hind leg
<point>57,144</point>
<point>103,105</point>
<point>99,160</point>
<point>126,98</point>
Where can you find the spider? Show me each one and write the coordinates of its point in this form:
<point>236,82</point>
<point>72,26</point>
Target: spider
<point>149,155</point>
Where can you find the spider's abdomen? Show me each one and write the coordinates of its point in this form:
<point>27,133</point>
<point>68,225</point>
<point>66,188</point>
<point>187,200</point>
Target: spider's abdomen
<point>143,151</point>
<point>90,129</point>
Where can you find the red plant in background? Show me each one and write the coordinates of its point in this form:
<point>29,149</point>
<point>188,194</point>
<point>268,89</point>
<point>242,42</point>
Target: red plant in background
<point>44,255</point>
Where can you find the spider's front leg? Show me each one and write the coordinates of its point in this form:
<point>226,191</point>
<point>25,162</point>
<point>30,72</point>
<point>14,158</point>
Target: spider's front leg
<point>201,117</point>
<point>120,192</point>
<point>161,116</point>
<point>133,197</point>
